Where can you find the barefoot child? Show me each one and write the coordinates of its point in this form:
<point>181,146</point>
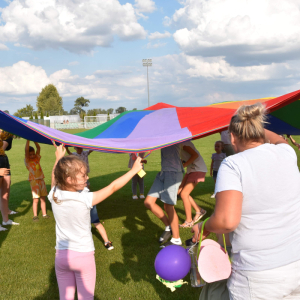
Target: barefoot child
<point>196,170</point>
<point>71,204</point>
<point>165,187</point>
<point>216,160</point>
<point>36,179</point>
<point>83,154</point>
<point>136,179</point>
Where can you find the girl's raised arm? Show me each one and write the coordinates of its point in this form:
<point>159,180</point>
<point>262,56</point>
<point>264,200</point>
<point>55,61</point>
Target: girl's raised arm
<point>38,148</point>
<point>59,153</point>
<point>117,184</point>
<point>68,151</point>
<point>27,149</point>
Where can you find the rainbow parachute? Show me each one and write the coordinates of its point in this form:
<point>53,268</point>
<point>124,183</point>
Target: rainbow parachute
<point>159,126</point>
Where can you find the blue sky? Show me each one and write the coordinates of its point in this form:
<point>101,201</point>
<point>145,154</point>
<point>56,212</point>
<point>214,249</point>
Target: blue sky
<point>203,51</point>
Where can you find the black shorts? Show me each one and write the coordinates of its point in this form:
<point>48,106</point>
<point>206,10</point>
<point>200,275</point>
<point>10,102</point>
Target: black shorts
<point>4,163</point>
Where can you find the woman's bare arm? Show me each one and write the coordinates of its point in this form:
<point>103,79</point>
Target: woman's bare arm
<point>274,138</point>
<point>226,216</point>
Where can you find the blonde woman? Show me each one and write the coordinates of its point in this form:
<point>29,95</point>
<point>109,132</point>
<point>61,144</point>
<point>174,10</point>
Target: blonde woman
<point>258,202</point>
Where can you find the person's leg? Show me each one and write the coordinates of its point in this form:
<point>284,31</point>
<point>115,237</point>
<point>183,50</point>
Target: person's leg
<point>187,200</point>
<point>102,231</point>
<point>150,203</point>
<point>85,275</point>
<point>35,191</point>
<point>43,205</point>
<point>134,182</point>
<point>141,185</point>
<point>65,277</point>
<point>182,184</point>
<point>43,195</point>
<point>4,200</point>
<point>7,180</point>
<point>35,206</point>
<point>173,219</point>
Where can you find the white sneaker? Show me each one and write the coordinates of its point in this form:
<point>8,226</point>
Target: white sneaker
<point>10,222</point>
<point>135,197</point>
<point>2,228</point>
<point>13,212</point>
<point>142,196</point>
<point>212,196</point>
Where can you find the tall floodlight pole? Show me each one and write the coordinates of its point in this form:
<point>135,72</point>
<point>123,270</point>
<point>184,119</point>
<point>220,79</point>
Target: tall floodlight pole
<point>147,63</point>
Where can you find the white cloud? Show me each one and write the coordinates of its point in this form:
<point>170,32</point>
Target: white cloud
<point>218,68</point>
<point>64,23</point>
<point>177,79</point>
<point>3,47</point>
<point>158,35</point>
<point>22,78</point>
<point>145,6</point>
<point>167,21</point>
<point>154,46</point>
<point>73,63</point>
<point>251,29</point>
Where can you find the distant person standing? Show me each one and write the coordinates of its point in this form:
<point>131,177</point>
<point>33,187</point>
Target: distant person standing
<point>225,138</point>
<point>136,179</point>
<point>216,160</point>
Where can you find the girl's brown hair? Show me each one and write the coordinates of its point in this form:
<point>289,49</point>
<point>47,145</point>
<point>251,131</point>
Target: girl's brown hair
<point>248,122</point>
<point>68,166</point>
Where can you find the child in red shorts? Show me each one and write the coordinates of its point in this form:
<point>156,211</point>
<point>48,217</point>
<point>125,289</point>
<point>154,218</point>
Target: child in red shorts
<point>36,179</point>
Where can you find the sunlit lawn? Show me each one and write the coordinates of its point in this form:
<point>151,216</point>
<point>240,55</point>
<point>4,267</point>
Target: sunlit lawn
<point>127,272</point>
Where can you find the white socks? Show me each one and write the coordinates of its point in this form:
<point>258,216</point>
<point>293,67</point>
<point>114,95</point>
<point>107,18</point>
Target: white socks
<point>176,241</point>
<point>10,222</point>
<point>168,228</point>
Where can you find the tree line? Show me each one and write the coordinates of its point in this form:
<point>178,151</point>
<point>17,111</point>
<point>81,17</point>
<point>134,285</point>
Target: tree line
<point>49,102</point>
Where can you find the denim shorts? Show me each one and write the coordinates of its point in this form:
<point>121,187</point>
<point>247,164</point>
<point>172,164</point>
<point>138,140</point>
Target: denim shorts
<point>165,186</point>
<point>94,215</point>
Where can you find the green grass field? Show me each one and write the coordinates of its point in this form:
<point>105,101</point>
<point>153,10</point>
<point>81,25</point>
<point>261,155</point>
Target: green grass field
<point>27,251</point>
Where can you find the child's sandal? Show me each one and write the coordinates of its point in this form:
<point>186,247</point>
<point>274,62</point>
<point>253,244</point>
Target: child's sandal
<point>187,224</point>
<point>199,215</point>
